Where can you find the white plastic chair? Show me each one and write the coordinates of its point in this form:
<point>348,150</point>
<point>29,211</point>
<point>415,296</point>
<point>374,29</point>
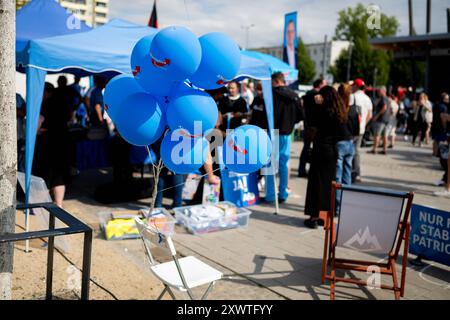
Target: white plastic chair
<point>181,274</point>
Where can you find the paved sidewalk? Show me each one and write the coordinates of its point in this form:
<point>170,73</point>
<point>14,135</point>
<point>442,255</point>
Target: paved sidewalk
<point>277,257</point>
<point>281,255</point>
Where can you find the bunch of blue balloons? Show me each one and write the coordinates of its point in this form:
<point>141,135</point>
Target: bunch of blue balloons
<point>164,94</point>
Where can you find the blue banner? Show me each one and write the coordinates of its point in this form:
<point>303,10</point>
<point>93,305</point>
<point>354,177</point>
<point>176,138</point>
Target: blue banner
<point>430,234</point>
<point>240,189</point>
<point>290,39</point>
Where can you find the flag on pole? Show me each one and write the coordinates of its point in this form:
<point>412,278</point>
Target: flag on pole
<point>153,21</point>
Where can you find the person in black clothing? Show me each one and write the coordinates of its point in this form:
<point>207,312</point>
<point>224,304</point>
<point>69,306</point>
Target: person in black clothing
<point>327,120</point>
<point>67,95</point>
<point>233,108</point>
<point>258,109</point>
<point>52,147</point>
<point>287,112</point>
<point>308,107</point>
<point>437,129</point>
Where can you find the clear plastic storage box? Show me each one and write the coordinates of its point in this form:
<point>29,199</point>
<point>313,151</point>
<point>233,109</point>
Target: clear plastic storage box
<point>120,225</point>
<point>201,219</point>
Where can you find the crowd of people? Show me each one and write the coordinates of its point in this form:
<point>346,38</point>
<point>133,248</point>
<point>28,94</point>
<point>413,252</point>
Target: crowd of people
<point>63,107</point>
<point>337,121</point>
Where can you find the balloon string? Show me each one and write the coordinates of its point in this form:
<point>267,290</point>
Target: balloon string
<point>155,169</point>
<point>182,184</point>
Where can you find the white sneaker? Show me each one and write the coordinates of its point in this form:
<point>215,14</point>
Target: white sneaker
<point>439,183</point>
<point>444,193</point>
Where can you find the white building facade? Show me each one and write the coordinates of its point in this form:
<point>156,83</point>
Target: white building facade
<point>93,12</point>
<point>319,54</point>
<point>325,56</point>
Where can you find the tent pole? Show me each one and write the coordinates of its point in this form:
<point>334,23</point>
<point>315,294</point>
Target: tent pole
<point>27,228</point>
<point>277,208</point>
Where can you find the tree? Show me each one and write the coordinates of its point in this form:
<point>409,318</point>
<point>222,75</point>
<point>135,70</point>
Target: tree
<point>8,142</point>
<point>408,72</point>
<point>306,67</point>
<point>20,4</point>
<point>366,63</point>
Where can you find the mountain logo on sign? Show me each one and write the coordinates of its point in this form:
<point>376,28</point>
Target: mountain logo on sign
<point>363,241</point>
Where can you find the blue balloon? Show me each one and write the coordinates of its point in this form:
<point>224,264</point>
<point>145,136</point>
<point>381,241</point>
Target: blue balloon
<point>247,149</point>
<point>146,75</point>
<point>221,60</point>
<point>175,53</point>
<point>117,89</point>
<point>183,154</point>
<point>140,120</point>
<point>192,109</point>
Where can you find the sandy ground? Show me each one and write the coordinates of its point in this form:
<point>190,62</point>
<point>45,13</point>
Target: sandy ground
<point>112,276</point>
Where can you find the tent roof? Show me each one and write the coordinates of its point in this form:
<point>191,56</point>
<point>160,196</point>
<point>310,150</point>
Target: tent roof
<point>44,18</point>
<point>276,65</point>
<point>107,49</point>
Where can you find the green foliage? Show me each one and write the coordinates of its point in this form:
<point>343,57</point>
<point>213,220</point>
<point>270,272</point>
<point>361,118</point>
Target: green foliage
<point>366,63</point>
<point>406,72</point>
<point>20,4</point>
<point>306,67</point>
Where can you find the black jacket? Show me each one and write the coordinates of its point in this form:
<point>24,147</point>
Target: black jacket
<point>287,109</point>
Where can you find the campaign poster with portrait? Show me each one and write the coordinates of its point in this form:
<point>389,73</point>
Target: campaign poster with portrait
<point>290,43</point>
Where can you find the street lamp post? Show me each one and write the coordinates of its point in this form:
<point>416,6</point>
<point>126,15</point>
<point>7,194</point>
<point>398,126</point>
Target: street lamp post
<point>349,60</point>
<point>247,29</point>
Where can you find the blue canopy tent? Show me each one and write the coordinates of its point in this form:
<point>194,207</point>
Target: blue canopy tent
<point>275,64</point>
<point>42,19</point>
<point>106,49</point>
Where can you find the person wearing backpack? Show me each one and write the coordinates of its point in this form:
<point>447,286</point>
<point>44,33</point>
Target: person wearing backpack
<point>364,107</point>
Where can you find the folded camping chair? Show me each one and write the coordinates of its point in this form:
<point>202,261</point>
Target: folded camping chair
<point>371,221</point>
<point>181,274</point>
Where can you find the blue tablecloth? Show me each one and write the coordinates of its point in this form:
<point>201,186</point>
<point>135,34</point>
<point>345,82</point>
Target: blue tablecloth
<point>92,154</point>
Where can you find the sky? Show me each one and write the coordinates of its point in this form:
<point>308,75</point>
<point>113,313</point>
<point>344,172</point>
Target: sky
<point>316,18</point>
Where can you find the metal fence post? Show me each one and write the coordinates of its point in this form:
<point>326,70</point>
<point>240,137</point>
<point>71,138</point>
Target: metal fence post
<point>87,248</point>
<point>50,252</point>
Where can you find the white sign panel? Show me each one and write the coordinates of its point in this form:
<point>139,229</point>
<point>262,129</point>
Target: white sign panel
<point>368,222</point>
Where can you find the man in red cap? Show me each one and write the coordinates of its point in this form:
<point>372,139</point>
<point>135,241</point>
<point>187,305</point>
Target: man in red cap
<point>364,106</point>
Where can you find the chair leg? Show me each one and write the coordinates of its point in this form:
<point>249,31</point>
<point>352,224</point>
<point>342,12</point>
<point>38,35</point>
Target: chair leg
<point>325,256</point>
<point>332,285</point>
<point>333,272</point>
<point>171,293</point>
<point>162,293</point>
<point>404,260</point>
<point>190,294</point>
<point>208,290</point>
<point>394,279</point>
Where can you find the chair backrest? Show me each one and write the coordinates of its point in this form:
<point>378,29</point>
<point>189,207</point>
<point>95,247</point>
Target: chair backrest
<point>155,242</point>
<point>369,219</point>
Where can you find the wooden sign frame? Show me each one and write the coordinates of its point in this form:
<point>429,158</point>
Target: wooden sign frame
<point>386,268</point>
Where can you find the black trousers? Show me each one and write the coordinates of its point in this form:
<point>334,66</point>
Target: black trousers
<point>304,156</point>
<point>421,127</point>
<point>322,173</point>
